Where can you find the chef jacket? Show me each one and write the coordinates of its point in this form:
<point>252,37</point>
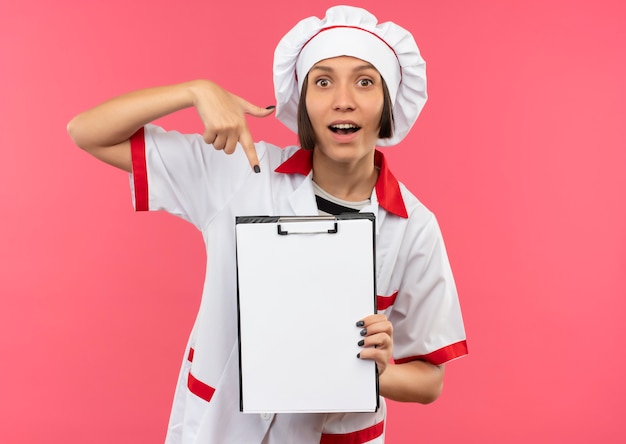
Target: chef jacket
<point>181,174</point>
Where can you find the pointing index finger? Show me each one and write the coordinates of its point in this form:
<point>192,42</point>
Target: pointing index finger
<point>249,149</point>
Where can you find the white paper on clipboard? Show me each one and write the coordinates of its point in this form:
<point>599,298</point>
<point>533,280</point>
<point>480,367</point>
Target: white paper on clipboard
<point>303,283</point>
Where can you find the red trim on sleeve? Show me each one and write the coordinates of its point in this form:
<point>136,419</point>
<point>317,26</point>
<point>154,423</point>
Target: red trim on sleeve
<point>140,172</point>
<point>440,356</point>
<point>358,437</point>
<point>190,355</point>
<point>199,388</point>
<point>384,302</point>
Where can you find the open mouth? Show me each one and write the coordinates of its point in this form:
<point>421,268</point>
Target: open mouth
<point>344,128</point>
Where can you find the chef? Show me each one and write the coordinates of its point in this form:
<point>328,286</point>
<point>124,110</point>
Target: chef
<point>347,85</point>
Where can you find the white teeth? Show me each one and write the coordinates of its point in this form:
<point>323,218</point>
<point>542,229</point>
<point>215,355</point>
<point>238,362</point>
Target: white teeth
<point>344,126</point>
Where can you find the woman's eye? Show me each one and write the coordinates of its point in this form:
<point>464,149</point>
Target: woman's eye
<point>322,82</point>
<point>365,82</point>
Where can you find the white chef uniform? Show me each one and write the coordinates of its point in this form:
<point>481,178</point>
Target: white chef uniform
<point>183,176</point>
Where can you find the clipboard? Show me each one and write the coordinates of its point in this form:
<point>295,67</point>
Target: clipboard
<point>302,284</point>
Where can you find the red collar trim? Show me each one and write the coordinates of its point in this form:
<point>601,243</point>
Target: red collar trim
<point>387,186</point>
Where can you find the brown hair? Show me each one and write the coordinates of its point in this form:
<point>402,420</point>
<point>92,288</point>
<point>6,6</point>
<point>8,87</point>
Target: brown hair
<point>306,135</point>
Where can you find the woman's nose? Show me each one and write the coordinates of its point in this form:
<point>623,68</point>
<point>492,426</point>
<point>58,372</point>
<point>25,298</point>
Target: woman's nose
<point>344,98</point>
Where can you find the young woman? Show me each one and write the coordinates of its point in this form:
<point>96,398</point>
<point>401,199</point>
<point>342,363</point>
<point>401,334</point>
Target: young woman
<point>346,84</point>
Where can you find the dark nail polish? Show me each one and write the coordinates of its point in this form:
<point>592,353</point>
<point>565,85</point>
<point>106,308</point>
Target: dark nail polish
<point>257,169</point>
<point>361,343</point>
<point>360,324</point>
<point>270,107</point>
<point>364,332</point>
<point>358,355</point>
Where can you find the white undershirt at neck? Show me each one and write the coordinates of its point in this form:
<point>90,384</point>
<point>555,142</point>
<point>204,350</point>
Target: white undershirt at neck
<point>355,206</point>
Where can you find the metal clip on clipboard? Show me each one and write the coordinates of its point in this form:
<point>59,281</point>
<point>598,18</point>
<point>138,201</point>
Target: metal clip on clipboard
<point>307,225</point>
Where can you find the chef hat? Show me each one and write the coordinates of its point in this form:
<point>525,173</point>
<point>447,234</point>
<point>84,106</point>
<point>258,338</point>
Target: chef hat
<point>350,31</point>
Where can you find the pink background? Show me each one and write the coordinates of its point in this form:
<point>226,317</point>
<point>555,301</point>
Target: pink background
<point>520,152</point>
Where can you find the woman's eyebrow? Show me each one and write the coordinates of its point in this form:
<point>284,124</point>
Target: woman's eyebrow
<point>358,68</point>
<point>364,67</point>
<point>322,68</point>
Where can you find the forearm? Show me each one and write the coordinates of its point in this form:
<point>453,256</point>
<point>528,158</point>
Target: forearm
<point>115,120</point>
<point>416,381</point>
